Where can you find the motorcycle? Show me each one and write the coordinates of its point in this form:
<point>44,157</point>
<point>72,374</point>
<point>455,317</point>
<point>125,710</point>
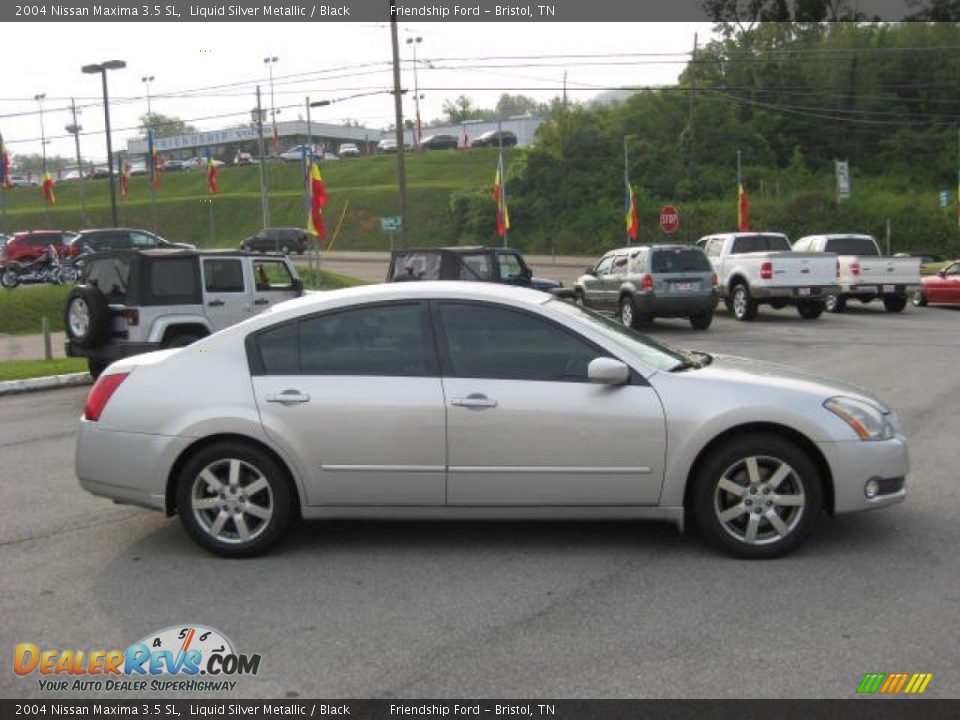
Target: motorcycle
<point>48,268</point>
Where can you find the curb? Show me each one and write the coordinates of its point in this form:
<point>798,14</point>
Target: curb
<point>50,382</point>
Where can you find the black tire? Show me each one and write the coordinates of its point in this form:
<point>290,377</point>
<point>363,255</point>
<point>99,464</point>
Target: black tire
<point>744,306</point>
<point>181,339</point>
<point>10,278</point>
<point>629,315</point>
<point>701,321</point>
<point>835,303</point>
<point>919,299</point>
<point>725,521</point>
<point>578,298</point>
<point>284,249</point>
<point>96,366</point>
<point>894,304</point>
<point>810,309</point>
<point>275,499</point>
<point>86,317</point>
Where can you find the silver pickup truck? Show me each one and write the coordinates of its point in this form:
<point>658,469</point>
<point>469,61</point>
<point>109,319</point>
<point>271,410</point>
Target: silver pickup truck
<point>757,268</point>
<point>863,273</point>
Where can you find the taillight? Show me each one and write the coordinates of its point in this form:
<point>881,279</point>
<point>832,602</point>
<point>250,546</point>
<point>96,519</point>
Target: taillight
<point>646,282</point>
<point>132,315</point>
<point>716,280</point>
<point>854,268</point>
<point>100,394</point>
<point>766,271</point>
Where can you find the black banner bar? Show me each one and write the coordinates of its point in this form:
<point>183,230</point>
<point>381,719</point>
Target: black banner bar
<point>420,11</point>
<point>859,709</point>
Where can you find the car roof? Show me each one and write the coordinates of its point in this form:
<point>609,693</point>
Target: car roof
<point>178,252</point>
<point>456,249</point>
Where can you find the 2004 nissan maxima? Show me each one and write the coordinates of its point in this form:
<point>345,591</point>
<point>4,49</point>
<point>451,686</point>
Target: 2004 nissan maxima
<point>468,400</point>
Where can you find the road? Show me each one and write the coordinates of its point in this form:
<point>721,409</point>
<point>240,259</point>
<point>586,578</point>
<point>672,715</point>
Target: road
<point>512,609</point>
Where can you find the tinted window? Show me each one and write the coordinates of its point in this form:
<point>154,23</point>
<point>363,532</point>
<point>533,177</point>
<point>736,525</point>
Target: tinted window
<point>852,246</point>
<point>667,260</point>
<point>760,243</point>
<point>272,275</point>
<point>110,275</point>
<point>223,275</point>
<point>375,340</point>
<point>476,267</point>
<point>173,280</point>
<point>278,350</point>
<point>485,341</point>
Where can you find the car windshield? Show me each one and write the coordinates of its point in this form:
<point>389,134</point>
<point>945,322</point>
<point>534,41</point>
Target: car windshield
<point>651,352</point>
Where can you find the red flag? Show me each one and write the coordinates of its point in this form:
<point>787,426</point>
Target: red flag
<point>211,174</point>
<point>633,221</point>
<point>318,198</point>
<point>743,210</point>
<point>124,180</point>
<point>157,168</point>
<point>48,189</point>
<point>500,197</point>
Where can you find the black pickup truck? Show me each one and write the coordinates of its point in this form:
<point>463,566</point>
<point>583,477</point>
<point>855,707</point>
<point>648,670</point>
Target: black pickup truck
<point>479,264</point>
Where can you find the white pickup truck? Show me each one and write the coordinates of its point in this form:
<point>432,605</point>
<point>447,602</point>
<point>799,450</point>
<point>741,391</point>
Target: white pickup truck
<point>755,268</point>
<point>863,272</point>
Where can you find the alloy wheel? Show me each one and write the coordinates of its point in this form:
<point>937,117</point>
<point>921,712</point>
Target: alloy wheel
<point>232,501</point>
<point>759,500</point>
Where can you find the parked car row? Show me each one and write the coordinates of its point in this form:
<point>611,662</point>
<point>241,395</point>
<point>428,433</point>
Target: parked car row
<point>32,244</point>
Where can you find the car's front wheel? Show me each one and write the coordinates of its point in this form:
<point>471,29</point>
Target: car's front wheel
<point>835,303</point>
<point>894,304</point>
<point>757,496</point>
<point>234,499</point>
<point>919,299</point>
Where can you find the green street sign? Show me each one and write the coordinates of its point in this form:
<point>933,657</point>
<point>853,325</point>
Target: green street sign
<point>391,223</point>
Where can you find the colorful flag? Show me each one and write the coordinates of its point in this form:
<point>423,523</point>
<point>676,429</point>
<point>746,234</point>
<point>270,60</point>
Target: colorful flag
<point>4,166</point>
<point>500,197</point>
<point>633,221</point>
<point>211,174</point>
<point>48,188</point>
<point>743,209</point>
<point>318,198</point>
<point>124,178</point>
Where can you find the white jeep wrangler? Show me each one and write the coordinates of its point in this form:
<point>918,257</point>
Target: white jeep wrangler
<point>136,301</point>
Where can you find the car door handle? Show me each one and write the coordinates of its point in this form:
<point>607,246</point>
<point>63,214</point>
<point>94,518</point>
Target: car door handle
<point>289,396</point>
<point>261,301</point>
<point>215,303</point>
<point>474,401</point>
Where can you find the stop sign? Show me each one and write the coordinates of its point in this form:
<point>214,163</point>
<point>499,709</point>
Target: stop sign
<point>669,219</point>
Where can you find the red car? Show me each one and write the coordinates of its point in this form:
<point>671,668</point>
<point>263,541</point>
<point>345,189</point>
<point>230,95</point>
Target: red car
<point>33,244</point>
<point>944,287</point>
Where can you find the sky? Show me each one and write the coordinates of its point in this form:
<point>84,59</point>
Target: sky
<point>206,73</point>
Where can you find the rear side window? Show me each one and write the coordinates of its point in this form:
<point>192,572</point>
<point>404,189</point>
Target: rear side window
<point>668,260</point>
<point>416,266</point>
<point>476,267</point>
<point>223,276</point>
<point>852,246</point>
<point>760,243</point>
<point>173,281</point>
<point>279,350</point>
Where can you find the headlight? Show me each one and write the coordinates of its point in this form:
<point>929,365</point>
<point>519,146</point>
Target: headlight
<point>867,421</point>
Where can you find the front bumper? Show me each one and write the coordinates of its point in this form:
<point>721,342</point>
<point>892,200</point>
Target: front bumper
<point>854,463</point>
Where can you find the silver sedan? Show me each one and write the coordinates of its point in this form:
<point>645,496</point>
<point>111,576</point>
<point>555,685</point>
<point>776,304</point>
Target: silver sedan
<point>469,400</point>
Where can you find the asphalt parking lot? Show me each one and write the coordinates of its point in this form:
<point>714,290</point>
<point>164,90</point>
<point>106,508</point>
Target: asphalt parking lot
<point>509,609</point>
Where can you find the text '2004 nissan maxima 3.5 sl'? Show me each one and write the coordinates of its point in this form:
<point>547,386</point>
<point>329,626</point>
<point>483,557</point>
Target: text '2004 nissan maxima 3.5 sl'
<point>464,400</point>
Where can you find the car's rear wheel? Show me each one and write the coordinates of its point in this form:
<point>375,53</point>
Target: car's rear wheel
<point>809,309</point>
<point>234,499</point>
<point>628,313</point>
<point>835,303</point>
<point>701,321</point>
<point>744,306</point>
<point>894,304</point>
<point>919,299</point>
<point>757,496</point>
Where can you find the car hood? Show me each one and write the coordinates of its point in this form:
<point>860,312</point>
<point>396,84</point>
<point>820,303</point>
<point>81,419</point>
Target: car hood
<point>544,283</point>
<point>758,374</point>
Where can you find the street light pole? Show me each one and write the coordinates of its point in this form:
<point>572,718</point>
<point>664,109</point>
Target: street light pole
<point>147,79</point>
<point>264,203</point>
<point>398,110</point>
<point>102,69</point>
<point>418,129</point>
<point>269,62</point>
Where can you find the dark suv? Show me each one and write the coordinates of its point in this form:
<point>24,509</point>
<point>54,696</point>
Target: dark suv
<point>93,241</point>
<point>498,265</point>
<point>284,240</point>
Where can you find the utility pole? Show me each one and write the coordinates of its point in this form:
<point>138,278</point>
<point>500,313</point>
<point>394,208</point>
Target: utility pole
<point>398,108</point>
<point>264,203</point>
<point>147,79</point>
<point>75,129</point>
<point>693,93</point>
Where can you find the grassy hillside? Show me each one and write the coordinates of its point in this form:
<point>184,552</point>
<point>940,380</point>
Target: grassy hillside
<point>368,184</point>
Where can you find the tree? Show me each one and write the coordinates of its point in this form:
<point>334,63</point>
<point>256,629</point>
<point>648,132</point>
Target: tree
<point>461,109</point>
<point>509,105</point>
<point>164,125</point>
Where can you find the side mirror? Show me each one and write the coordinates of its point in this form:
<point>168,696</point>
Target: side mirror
<point>942,273</point>
<point>607,371</point>
<point>590,271</point>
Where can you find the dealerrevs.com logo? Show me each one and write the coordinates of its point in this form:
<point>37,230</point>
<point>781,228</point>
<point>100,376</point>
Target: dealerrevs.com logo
<point>179,658</point>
